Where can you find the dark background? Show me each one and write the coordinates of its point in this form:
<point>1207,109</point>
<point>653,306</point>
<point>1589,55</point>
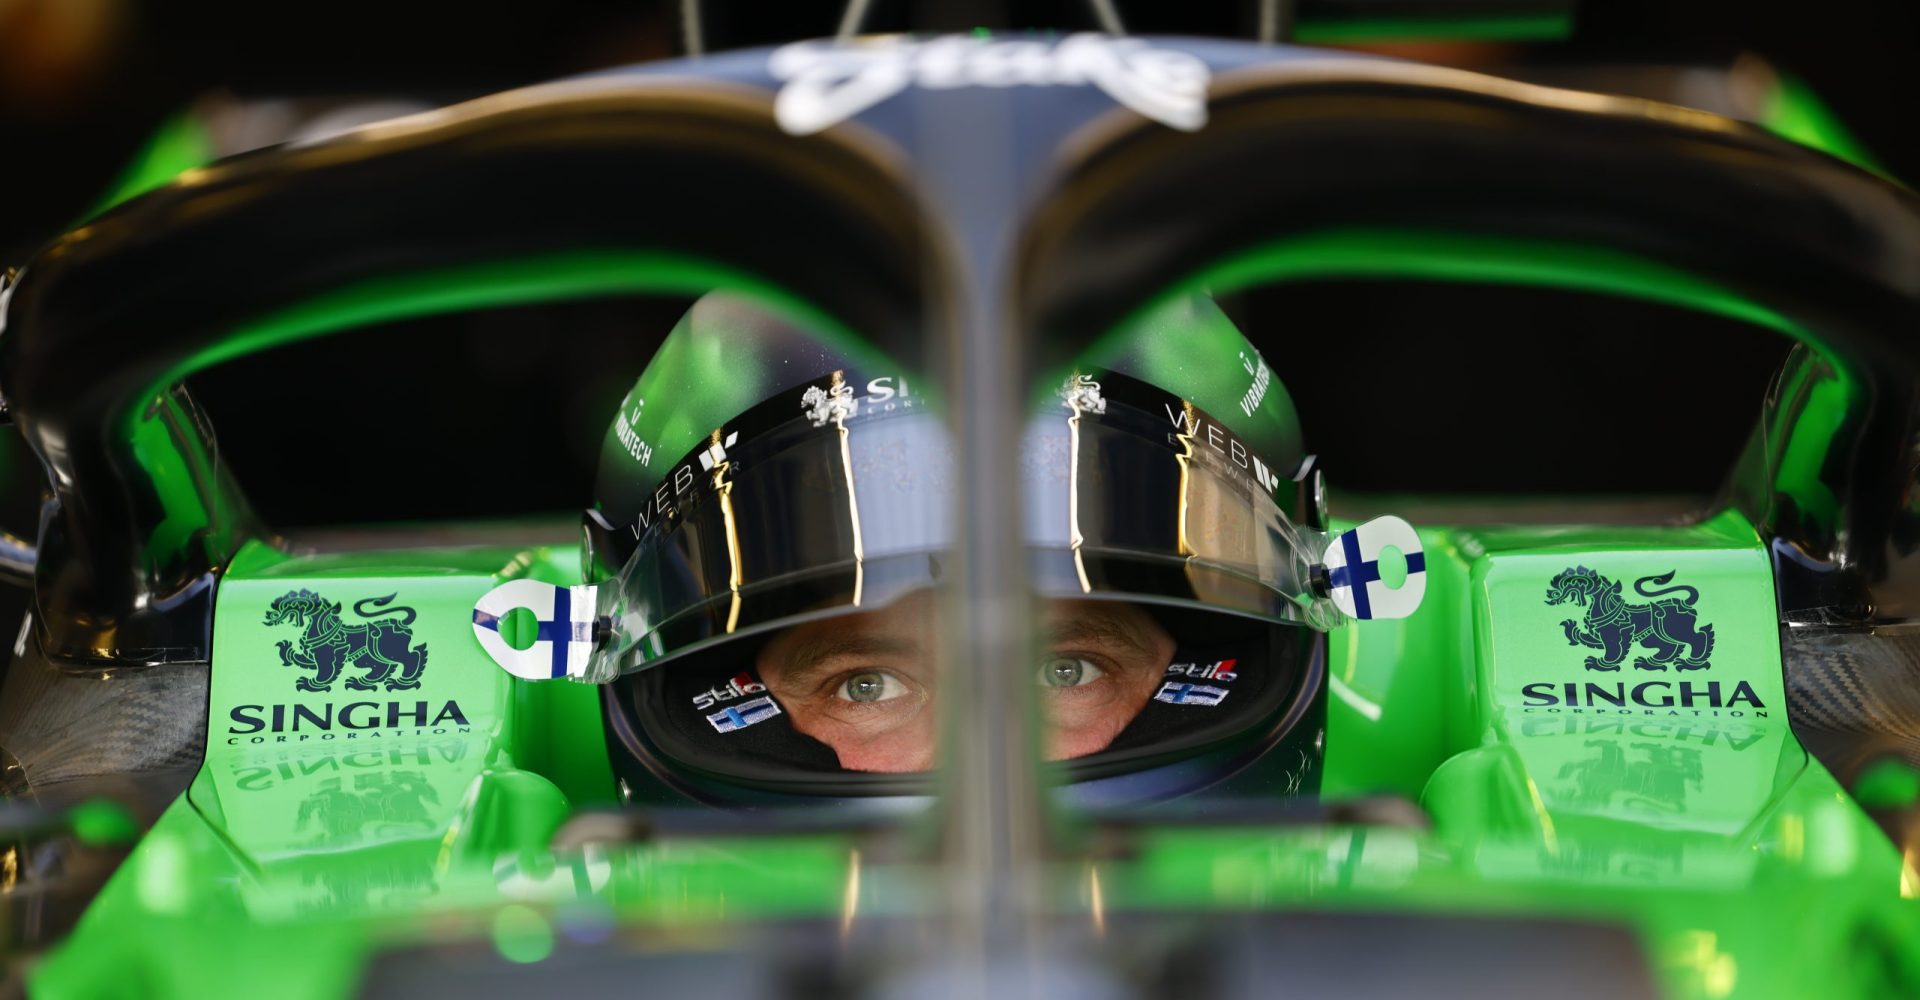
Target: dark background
<point>83,82</point>
<point>1500,372</point>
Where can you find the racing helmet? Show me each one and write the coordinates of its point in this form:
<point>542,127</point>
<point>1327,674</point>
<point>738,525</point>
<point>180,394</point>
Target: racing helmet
<point>767,478</point>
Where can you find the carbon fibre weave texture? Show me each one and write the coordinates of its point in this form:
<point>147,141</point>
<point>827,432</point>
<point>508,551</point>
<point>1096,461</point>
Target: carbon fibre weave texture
<point>66,725</point>
<point>1854,695</point>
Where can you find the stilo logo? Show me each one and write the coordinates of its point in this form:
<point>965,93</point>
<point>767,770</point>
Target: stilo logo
<point>1219,670</point>
<point>1613,624</point>
<point>741,685</point>
<point>380,645</point>
<point>826,83</point>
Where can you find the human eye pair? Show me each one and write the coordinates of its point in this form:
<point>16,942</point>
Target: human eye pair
<point>1060,671</point>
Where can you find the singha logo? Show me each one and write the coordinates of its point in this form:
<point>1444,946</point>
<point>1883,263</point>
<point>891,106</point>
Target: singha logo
<point>829,405</point>
<point>380,645</point>
<point>1613,625</point>
<point>1081,394</point>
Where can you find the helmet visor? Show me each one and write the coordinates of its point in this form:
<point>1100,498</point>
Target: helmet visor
<point>821,502</point>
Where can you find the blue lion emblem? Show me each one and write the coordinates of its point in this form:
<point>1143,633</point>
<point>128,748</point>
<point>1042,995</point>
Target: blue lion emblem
<point>1613,625</point>
<point>381,646</point>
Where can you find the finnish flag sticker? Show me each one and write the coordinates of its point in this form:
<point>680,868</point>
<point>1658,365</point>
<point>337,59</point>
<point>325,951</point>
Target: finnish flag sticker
<point>744,714</point>
<point>555,639</point>
<point>1377,570</point>
<point>1179,693</point>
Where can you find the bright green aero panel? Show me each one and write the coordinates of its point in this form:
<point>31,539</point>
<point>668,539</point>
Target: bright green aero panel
<point>379,783</point>
<point>1667,801</point>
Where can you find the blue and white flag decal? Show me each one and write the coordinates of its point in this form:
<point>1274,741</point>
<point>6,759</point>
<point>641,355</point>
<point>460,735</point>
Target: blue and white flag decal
<point>744,714</point>
<point>1354,563</point>
<point>1178,693</point>
<point>563,633</point>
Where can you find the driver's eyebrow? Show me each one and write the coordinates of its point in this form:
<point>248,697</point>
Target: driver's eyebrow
<point>1098,628</point>
<point>815,654</point>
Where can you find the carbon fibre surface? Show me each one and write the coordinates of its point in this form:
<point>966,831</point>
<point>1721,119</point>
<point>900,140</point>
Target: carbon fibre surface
<point>1854,695</point>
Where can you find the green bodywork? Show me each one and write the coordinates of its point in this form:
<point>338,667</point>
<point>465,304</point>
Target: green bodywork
<point>1736,859</point>
<point>1708,832</point>
<point>387,817</point>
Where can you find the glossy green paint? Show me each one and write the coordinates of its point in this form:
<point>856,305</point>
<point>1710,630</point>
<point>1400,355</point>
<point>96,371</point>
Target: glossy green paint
<point>296,861</point>
<point>1737,860</point>
<point>296,853</point>
<point>177,146</point>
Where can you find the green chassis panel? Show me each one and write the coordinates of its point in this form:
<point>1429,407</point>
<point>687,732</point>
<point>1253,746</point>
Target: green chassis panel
<point>1688,813</point>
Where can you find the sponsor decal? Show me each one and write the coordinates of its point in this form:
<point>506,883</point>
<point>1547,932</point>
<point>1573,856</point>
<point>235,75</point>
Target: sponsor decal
<point>1195,430</point>
<point>1665,627</point>
<point>1647,697</point>
<point>740,686</point>
<point>826,83</point>
<point>714,454</point>
<point>381,646</point>
<point>1081,394</point>
<point>830,405</point>
<point>627,430</point>
<point>1667,633</point>
<point>1265,477</point>
<point>1219,670</point>
<point>665,498</point>
<point>745,714</point>
<point>821,405</point>
<point>1180,693</point>
<point>836,403</point>
<point>353,720</point>
<point>1669,636</point>
<point>1256,393</point>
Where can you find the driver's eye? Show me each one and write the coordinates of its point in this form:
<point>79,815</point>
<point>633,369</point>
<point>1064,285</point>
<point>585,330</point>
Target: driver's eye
<point>871,685</point>
<point>1068,671</point>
